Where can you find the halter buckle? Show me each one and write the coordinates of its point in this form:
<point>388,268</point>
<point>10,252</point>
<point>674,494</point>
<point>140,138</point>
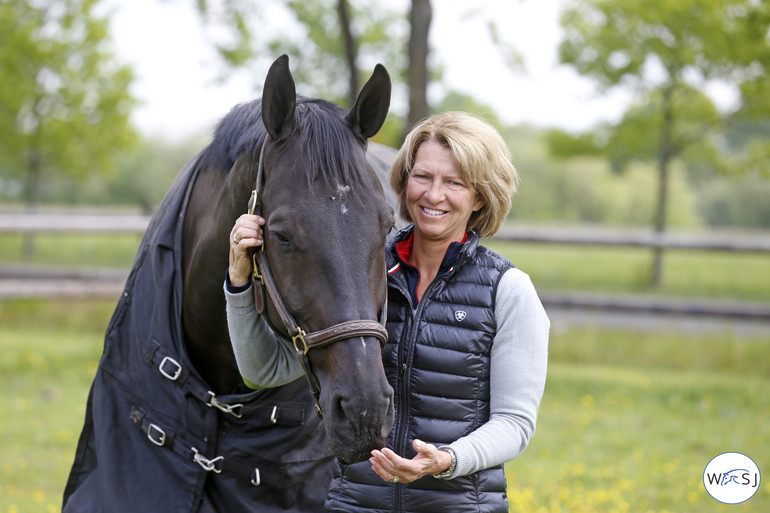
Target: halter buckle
<point>255,274</point>
<point>300,336</point>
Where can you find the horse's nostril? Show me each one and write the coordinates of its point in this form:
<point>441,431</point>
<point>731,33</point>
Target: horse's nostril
<point>339,407</point>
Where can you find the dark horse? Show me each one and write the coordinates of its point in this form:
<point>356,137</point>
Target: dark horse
<point>169,425</point>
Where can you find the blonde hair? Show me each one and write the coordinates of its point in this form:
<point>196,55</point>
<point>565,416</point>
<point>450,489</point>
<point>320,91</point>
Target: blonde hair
<point>481,157</point>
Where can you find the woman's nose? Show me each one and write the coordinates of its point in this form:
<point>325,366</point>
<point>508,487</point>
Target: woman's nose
<point>435,191</point>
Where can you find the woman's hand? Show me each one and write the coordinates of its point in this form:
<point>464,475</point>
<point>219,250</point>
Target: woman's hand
<point>395,469</point>
<point>246,234</point>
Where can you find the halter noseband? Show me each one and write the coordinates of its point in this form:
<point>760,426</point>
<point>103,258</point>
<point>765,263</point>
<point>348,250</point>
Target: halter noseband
<point>303,341</point>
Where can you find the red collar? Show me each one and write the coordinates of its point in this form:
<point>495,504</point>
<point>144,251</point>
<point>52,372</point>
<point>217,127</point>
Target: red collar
<point>404,251</point>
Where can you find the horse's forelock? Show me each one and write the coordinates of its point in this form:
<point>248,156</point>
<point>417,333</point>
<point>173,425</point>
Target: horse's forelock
<point>329,147</point>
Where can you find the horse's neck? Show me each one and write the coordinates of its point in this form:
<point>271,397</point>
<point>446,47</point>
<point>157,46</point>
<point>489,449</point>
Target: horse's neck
<point>208,222</point>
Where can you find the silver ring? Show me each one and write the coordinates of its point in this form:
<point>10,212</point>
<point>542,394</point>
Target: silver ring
<point>395,479</point>
<point>236,240</point>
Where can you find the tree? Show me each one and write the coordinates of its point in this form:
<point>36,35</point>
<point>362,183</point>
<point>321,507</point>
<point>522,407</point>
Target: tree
<point>324,38</point>
<point>65,102</point>
<point>669,52</point>
<point>420,18</point>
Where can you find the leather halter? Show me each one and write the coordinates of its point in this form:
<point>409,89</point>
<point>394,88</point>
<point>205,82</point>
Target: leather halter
<point>303,341</point>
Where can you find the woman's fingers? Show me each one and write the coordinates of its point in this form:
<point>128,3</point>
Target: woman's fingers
<point>245,234</point>
<point>247,231</point>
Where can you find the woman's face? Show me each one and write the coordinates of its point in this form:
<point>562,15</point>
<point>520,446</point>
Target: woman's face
<point>437,198</point>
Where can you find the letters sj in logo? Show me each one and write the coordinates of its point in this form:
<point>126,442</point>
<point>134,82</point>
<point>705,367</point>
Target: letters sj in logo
<point>732,478</point>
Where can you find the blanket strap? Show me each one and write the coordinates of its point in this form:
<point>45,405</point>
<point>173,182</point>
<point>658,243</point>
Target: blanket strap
<point>169,366</point>
<point>262,474</point>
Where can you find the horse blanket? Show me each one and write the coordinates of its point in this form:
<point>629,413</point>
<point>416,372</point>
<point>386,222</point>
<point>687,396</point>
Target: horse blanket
<point>155,439</point>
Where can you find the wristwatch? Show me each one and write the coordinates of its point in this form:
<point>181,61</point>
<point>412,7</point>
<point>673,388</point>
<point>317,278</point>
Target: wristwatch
<point>448,472</point>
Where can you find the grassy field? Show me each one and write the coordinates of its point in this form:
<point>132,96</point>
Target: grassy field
<point>627,424</point>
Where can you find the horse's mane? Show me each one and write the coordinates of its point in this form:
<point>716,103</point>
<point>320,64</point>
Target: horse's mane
<point>329,147</point>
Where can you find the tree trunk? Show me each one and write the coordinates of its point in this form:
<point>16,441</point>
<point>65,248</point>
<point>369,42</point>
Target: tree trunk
<point>351,49</point>
<point>666,154</point>
<point>419,21</point>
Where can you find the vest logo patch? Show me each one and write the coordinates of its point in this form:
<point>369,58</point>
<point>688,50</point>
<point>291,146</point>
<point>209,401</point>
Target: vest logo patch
<point>460,315</point>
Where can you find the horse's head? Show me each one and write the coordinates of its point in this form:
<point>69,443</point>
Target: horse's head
<point>326,225</point>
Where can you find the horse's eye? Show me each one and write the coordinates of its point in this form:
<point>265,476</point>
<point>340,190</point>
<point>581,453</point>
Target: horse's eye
<point>282,240</point>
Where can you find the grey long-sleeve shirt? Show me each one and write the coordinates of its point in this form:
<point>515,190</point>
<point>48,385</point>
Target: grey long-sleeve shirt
<point>517,369</point>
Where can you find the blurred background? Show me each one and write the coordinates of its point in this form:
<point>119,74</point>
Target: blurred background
<point>641,131</point>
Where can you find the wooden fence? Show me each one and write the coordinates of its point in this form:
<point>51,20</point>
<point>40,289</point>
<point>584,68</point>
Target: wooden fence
<point>15,280</point>
<point>599,236</point>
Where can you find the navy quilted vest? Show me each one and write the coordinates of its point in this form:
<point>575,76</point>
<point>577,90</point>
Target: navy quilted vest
<point>437,361</point>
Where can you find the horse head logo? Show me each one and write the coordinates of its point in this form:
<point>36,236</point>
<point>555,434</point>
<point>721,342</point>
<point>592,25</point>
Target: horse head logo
<point>729,477</point>
<point>460,315</point>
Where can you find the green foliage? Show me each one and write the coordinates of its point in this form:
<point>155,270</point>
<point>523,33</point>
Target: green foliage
<point>669,51</point>
<point>455,100</point>
<point>310,33</point>
<point>144,175</point>
<point>563,144</point>
<point>638,135</point>
<point>615,40</point>
<point>141,178</point>
<point>64,100</point>
<point>391,133</point>
<point>588,190</point>
<point>737,202</point>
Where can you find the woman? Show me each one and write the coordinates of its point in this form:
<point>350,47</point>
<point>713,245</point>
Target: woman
<point>468,336</point>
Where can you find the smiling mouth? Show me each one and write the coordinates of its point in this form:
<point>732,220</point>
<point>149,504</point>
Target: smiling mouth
<point>432,212</point>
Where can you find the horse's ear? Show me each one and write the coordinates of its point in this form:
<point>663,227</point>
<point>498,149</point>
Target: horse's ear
<point>279,98</point>
<point>368,113</point>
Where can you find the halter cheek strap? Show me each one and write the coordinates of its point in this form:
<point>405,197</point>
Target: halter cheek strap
<point>265,287</point>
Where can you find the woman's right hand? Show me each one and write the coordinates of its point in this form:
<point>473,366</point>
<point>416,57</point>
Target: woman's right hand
<point>246,234</point>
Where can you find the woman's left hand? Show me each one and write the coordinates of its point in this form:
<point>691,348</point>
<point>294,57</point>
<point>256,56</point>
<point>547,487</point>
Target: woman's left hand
<point>395,469</point>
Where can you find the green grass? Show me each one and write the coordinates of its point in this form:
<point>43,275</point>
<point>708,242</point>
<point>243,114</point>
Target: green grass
<point>72,250</point>
<point>628,421</point>
<point>614,438</point>
<point>50,351</point>
<point>744,276</point>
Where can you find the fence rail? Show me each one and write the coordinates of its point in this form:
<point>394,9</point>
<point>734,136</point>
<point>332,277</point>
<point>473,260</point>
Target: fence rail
<point>91,223</point>
<point>16,281</point>
<point>637,238</point>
